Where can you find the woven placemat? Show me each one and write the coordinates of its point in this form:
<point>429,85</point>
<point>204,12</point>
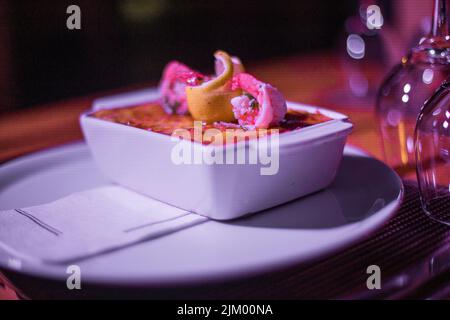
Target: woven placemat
<point>401,249</point>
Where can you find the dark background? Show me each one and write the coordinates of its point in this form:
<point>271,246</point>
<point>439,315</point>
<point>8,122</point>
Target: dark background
<point>129,41</point>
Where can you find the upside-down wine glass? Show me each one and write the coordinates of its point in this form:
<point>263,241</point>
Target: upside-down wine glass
<point>432,136</point>
<point>409,85</point>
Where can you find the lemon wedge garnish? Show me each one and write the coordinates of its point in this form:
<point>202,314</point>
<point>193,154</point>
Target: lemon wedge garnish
<point>210,101</point>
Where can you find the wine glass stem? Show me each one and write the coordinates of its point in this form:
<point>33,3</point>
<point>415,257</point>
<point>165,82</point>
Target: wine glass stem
<point>440,18</point>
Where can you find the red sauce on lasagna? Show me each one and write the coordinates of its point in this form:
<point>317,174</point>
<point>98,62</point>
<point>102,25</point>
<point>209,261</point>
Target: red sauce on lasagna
<point>152,117</point>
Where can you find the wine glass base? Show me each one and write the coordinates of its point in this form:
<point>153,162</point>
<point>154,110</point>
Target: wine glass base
<point>438,209</point>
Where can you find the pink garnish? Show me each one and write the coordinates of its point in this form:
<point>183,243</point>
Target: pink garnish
<point>176,77</point>
<point>261,105</point>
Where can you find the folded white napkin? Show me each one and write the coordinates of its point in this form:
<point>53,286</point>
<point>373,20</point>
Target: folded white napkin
<point>88,223</point>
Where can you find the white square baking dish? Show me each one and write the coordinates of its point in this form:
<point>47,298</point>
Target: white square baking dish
<point>141,160</point>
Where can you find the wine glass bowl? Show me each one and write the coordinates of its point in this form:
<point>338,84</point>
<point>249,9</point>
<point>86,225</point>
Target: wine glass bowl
<point>413,111</point>
<point>409,85</point>
<point>432,141</point>
<point>400,99</point>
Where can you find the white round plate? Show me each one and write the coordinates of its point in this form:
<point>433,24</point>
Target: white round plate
<point>365,194</point>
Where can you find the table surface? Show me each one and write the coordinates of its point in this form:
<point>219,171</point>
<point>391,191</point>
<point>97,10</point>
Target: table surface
<point>311,79</point>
